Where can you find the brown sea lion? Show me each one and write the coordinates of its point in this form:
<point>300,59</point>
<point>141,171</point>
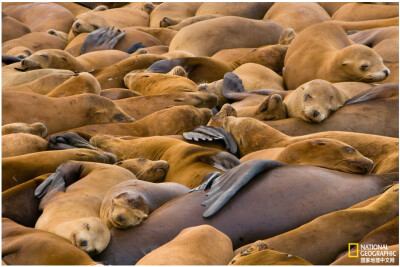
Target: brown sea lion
<point>141,106</point>
<point>36,128</point>
<point>178,23</point>
<point>72,211</point>
<point>199,245</point>
<point>24,246</point>
<point>118,93</point>
<point>193,38</point>
<point>174,120</point>
<point>252,135</point>
<point>164,35</point>
<point>363,11</point>
<point>188,164</point>
<point>74,8</point>
<point>146,170</point>
<point>259,254</point>
<point>31,14</point>
<point>297,16</point>
<point>66,113</point>
<point>321,152</point>
<point>333,51</point>
<point>128,203</point>
<point>331,7</point>
<point>20,52</point>
<point>173,10</point>
<point>243,9</point>
<point>287,197</point>
<point>12,28</point>
<point>19,169</point>
<point>21,143</point>
<point>340,228</point>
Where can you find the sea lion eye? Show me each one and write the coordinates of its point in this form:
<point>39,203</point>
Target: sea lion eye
<point>364,66</point>
<point>306,97</point>
<point>44,56</point>
<point>321,143</point>
<point>349,149</point>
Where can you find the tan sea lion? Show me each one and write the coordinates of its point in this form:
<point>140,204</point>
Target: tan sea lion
<point>128,203</point>
<point>66,112</point>
<point>192,38</point>
<point>36,128</point>
<point>118,93</point>
<point>164,35</point>
<point>321,152</point>
<point>199,245</point>
<point>333,51</point>
<point>243,9</point>
<point>73,210</point>
<point>21,143</point>
<point>259,254</point>
<point>252,135</point>
<point>24,246</point>
<point>12,28</point>
<point>140,106</point>
<point>174,10</point>
<point>363,11</point>
<point>60,34</point>
<point>20,52</point>
<point>339,227</point>
<point>188,164</point>
<point>74,8</point>
<point>178,23</point>
<point>146,170</point>
<point>19,169</point>
<point>297,16</point>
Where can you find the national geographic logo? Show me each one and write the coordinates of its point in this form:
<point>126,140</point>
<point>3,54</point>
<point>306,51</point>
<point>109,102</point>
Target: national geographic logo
<point>353,253</point>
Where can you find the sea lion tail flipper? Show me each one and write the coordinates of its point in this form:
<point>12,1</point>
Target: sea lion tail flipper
<point>379,91</point>
<point>101,39</point>
<point>54,181</point>
<point>8,59</point>
<point>231,86</point>
<point>226,185</point>
<point>68,140</point>
<point>211,133</point>
<point>133,48</point>
<point>287,36</point>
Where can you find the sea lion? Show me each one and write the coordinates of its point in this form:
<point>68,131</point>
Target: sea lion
<point>333,51</point>
<point>331,7</point>
<point>118,93</point>
<point>74,8</point>
<point>146,170</point>
<point>19,169</point>
<point>188,164</point>
<point>20,52</point>
<point>178,23</point>
<point>287,197</point>
<point>128,203</point>
<point>12,28</point>
<point>164,35</point>
<point>66,113</point>
<point>192,38</point>
<point>259,254</point>
<point>58,18</point>
<point>174,120</point>
<point>23,246</point>
<point>340,227</point>
<point>71,210</point>
<point>36,128</point>
<point>245,10</point>
<point>199,245</point>
<point>59,59</point>
<point>21,143</point>
<point>363,11</point>
<point>158,83</point>
<point>252,135</point>
<point>321,152</point>
<point>60,34</point>
<point>171,9</point>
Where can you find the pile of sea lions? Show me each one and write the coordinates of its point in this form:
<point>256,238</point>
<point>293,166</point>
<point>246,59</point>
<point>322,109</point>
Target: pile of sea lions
<point>190,133</point>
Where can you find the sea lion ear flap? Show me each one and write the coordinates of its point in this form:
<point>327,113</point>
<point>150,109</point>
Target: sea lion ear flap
<point>287,36</point>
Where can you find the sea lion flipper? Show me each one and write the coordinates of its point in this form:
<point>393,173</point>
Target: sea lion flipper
<point>101,39</point>
<point>133,48</point>
<point>379,91</point>
<point>166,65</point>
<point>226,186</point>
<point>208,179</point>
<point>54,181</point>
<point>232,87</point>
<point>68,140</point>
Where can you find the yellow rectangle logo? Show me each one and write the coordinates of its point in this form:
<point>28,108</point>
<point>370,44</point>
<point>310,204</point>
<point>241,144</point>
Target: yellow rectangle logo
<point>351,254</point>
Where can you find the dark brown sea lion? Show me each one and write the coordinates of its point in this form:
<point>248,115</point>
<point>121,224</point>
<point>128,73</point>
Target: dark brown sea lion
<point>19,169</point>
<point>128,203</point>
<point>60,113</point>
<point>287,197</point>
<point>28,246</point>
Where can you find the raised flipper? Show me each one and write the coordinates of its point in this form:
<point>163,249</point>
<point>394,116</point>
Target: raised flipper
<point>377,92</point>
<point>232,87</point>
<point>225,186</point>
<point>101,39</point>
<point>211,133</point>
<point>68,140</point>
<point>66,174</point>
<point>133,48</point>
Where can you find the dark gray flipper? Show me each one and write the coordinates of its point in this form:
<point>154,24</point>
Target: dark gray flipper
<point>379,91</point>
<point>8,59</point>
<point>225,186</point>
<point>133,48</point>
<point>68,140</point>
<point>54,181</point>
<point>212,133</point>
<point>101,39</point>
<point>166,65</point>
<point>209,178</point>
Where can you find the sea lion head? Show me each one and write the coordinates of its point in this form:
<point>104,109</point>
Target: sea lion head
<point>272,108</point>
<point>127,210</point>
<point>327,153</point>
<point>361,63</point>
<point>36,128</point>
<point>49,59</point>
<point>91,235</point>
<point>318,98</point>
<point>88,22</point>
<point>146,170</point>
